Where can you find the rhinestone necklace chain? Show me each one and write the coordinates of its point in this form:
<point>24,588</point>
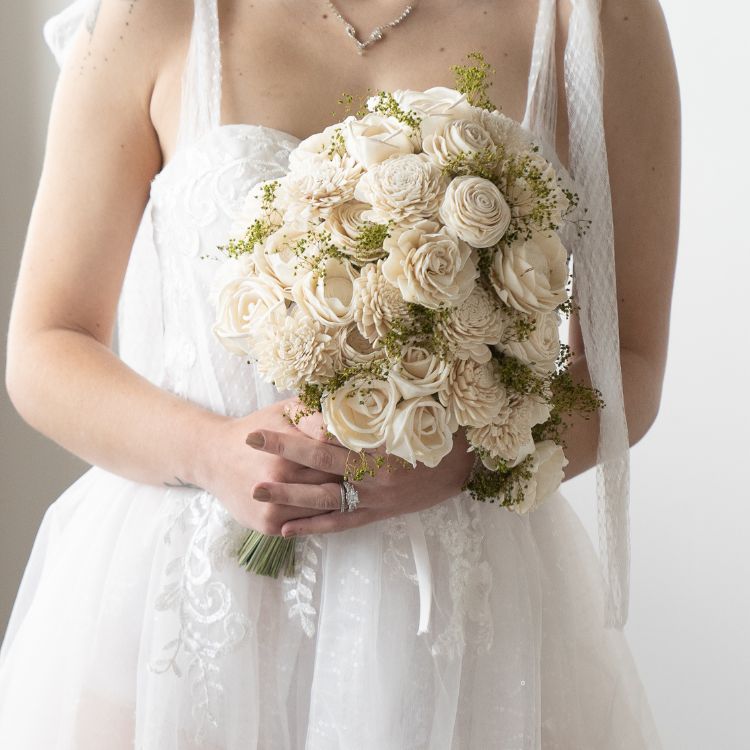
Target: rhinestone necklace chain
<point>377,33</point>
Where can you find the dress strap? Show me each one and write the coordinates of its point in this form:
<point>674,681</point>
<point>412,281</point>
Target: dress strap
<point>200,108</point>
<point>596,294</point>
<point>541,100</point>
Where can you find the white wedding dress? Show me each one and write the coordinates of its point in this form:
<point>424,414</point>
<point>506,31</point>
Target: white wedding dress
<point>135,627</point>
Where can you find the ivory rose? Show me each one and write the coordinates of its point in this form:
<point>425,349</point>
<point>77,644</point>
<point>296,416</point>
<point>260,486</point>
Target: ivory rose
<point>547,464</point>
<point>418,431</point>
<point>418,373</point>
<point>359,412</point>
<point>244,305</point>
<point>436,106</point>
<point>456,137</point>
<point>474,208</point>
<point>531,275</point>
<point>374,138</point>
<point>429,265</point>
<point>325,293</point>
<point>541,348</point>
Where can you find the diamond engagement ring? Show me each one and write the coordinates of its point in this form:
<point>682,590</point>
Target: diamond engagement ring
<point>349,496</point>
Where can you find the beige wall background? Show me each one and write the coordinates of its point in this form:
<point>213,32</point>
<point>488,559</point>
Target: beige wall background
<point>690,498</point>
<point>33,471</point>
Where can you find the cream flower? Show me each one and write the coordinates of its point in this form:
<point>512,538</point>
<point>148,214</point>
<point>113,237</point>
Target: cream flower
<point>531,275</point>
<point>353,348</point>
<point>474,208</point>
<point>429,265</point>
<point>506,132</point>
<point>315,146</point>
<point>374,138</point>
<point>508,437</point>
<point>418,373</point>
<point>359,413</point>
<point>377,303</point>
<point>475,323</point>
<point>456,137</point>
<point>325,293</point>
<point>436,106</point>
<point>318,183</point>
<point>418,431</point>
<point>547,463</point>
<point>251,208</point>
<point>244,306</point>
<point>473,393</point>
<point>297,352</point>
<point>275,257</point>
<point>345,222</point>
<point>523,200</point>
<point>541,348</point>
<point>404,189</point>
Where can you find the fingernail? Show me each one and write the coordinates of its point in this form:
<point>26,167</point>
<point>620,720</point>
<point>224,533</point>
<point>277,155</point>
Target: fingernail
<point>287,534</point>
<point>262,494</point>
<point>256,440</point>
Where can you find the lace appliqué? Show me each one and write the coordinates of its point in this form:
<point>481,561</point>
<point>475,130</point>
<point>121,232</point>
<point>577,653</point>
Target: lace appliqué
<point>456,527</point>
<point>210,625</point>
<point>298,589</point>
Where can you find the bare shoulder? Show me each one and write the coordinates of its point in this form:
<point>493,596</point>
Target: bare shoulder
<point>119,55</point>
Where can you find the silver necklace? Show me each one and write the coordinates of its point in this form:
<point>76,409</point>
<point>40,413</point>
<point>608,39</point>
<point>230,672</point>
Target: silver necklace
<point>377,33</point>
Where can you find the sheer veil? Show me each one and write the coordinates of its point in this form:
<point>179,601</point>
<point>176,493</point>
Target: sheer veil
<point>593,260</point>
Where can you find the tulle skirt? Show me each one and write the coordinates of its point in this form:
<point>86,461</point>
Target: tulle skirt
<point>135,627</point>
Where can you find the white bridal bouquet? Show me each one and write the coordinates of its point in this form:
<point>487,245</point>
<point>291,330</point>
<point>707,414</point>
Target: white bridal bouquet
<point>406,278</point>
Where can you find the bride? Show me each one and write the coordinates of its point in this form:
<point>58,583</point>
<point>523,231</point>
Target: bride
<point>134,627</point>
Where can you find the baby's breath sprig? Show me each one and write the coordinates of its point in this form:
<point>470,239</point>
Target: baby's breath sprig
<point>314,248</point>
<point>520,378</point>
<point>372,236</point>
<point>503,485</point>
<point>544,189</point>
<point>519,326</point>
<point>566,397</point>
<point>418,328</point>
<point>348,103</point>
<point>261,228</point>
<point>387,105</point>
<point>482,163</point>
<point>472,80</point>
<point>337,146</point>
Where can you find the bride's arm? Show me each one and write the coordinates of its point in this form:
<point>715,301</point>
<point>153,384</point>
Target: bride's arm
<point>102,152</point>
<point>642,126</point>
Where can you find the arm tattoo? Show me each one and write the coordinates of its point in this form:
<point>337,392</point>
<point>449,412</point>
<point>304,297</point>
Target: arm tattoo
<point>180,483</point>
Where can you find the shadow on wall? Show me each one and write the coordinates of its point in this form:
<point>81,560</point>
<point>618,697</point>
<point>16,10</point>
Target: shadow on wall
<point>33,471</point>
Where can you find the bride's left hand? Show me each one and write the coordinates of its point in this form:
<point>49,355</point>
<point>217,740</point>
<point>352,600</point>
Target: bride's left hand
<point>394,489</point>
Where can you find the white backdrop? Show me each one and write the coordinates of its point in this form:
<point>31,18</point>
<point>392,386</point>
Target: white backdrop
<point>690,614</point>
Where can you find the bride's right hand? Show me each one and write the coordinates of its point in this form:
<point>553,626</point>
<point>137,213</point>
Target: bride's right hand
<point>230,468</point>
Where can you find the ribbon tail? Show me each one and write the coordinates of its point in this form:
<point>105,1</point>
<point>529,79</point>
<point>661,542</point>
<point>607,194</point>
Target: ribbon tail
<point>424,570</point>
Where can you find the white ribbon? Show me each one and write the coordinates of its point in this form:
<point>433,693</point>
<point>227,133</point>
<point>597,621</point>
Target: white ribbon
<point>424,570</point>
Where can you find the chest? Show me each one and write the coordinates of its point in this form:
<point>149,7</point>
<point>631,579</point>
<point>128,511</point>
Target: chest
<point>286,64</point>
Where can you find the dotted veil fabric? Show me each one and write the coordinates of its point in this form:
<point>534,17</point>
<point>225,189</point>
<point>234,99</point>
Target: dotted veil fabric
<point>135,627</point>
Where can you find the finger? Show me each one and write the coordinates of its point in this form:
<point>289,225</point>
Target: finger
<point>329,523</point>
<point>318,496</point>
<point>301,449</point>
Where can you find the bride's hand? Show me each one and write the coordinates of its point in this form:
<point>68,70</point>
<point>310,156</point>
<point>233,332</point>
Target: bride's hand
<point>230,468</point>
<point>394,489</point>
